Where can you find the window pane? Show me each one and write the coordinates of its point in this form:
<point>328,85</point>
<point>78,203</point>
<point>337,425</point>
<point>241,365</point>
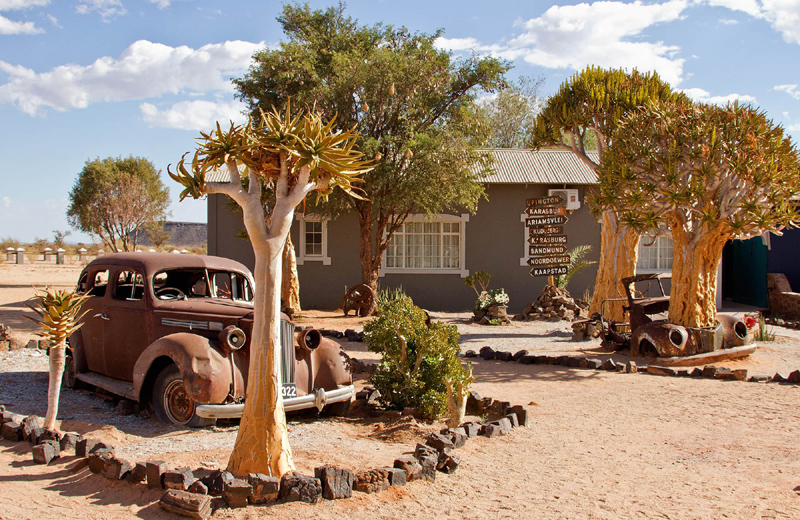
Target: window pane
<point>425,245</point>
<point>313,238</point>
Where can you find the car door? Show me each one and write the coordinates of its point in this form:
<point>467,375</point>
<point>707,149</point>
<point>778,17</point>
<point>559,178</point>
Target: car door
<point>125,332</point>
<point>92,331</point>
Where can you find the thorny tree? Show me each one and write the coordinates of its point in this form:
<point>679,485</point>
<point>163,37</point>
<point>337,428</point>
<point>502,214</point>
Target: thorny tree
<point>294,156</point>
<point>710,174</point>
<point>114,197</point>
<point>412,104</point>
<point>589,106</point>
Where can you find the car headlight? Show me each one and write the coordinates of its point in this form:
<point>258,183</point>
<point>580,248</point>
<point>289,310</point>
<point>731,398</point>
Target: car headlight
<point>232,337</point>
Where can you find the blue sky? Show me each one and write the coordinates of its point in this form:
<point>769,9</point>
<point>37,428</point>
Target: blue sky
<point>81,79</point>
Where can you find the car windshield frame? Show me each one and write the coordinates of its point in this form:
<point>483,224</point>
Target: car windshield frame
<point>201,283</point>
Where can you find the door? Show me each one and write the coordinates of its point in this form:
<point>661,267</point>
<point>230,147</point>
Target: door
<point>125,332</point>
<point>744,272</point>
<point>94,322</point>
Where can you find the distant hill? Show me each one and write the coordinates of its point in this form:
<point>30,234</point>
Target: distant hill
<point>180,234</point>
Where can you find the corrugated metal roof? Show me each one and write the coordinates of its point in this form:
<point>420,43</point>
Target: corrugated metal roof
<point>548,166</point>
<point>512,166</point>
<point>221,174</point>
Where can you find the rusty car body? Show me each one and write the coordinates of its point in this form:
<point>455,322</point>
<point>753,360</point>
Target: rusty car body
<point>174,330</point>
<point>648,332</point>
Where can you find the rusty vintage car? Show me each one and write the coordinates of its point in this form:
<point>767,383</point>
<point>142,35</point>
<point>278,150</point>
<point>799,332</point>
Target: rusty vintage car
<point>174,330</point>
<point>648,332</point>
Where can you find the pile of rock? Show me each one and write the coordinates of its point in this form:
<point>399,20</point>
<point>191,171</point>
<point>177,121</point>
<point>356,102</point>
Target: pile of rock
<point>554,304</point>
<point>494,315</point>
<point>587,329</point>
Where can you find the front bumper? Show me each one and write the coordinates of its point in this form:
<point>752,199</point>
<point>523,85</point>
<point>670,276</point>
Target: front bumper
<point>318,399</point>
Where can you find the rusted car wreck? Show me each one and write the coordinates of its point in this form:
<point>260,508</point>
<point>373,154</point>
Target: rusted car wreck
<point>648,333</point>
<point>174,331</point>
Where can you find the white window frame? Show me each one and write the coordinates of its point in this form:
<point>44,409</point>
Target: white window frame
<point>642,246</point>
<point>302,257</point>
<point>462,271</point>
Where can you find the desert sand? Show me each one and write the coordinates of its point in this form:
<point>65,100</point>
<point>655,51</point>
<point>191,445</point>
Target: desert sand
<point>600,445</point>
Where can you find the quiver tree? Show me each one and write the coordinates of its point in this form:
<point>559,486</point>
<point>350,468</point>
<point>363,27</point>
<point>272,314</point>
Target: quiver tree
<point>413,106</point>
<point>587,109</point>
<point>294,156</point>
<point>709,174</point>
<point>59,313</point>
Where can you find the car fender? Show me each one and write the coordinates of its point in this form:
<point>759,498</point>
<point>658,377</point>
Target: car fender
<point>206,373</point>
<point>75,342</point>
<point>668,339</point>
<point>735,331</point>
<point>329,367</point>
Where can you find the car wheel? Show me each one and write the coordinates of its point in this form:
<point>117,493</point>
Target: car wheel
<point>171,402</point>
<point>340,409</point>
<point>68,380</point>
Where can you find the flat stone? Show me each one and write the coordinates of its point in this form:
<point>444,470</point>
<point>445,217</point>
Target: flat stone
<point>740,374</point>
<point>35,436</point>
<point>709,371</point>
<point>759,378</point>
<point>428,464</point>
<point>98,459</point>
<point>500,408</point>
<point>522,414</point>
<point>574,362</point>
<point>371,481</point>
<point>518,354</point>
<point>198,487</point>
<point>512,419</point>
<point>621,367</point>
<point>778,378</point>
<point>336,482</point>
<point>682,373</point>
<point>630,367</point>
<point>116,469</point>
<point>180,478</point>
<point>69,440</point>
<point>696,372</point>
<point>44,453</point>
<point>30,425</point>
<point>527,360</point>
<point>472,428</point>
<point>794,377</point>
<point>723,373</point>
<point>490,430</point>
<point>51,435</point>
<point>137,474</point>
<point>237,493</point>
<point>474,403</point>
<point>411,466</point>
<point>486,353</point>
<point>155,469</point>
<point>457,436</point>
<point>561,361</point>
<point>448,463</point>
<point>188,504</point>
<point>660,371</point>
<point>422,450</point>
<point>216,481</point>
<point>438,441</point>
<point>609,365</point>
<point>500,355</point>
<point>505,425</point>
<point>296,487</point>
<point>12,431</point>
<point>470,354</point>
<point>594,364</point>
<point>397,476</point>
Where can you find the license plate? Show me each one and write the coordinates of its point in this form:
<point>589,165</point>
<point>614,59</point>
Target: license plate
<point>288,390</point>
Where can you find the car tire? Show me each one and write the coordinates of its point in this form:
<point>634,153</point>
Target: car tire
<point>340,409</point>
<point>68,379</point>
<point>171,403</point>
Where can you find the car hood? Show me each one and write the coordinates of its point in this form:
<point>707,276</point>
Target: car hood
<point>208,307</point>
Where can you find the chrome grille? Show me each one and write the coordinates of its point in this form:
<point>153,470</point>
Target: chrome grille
<point>287,352</point>
<point>188,324</point>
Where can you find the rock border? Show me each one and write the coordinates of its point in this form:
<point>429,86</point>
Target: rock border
<point>708,371</point>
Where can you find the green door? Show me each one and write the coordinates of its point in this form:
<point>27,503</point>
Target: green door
<point>744,272</point>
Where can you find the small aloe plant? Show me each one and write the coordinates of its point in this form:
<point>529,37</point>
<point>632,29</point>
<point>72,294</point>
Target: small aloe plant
<point>58,316</point>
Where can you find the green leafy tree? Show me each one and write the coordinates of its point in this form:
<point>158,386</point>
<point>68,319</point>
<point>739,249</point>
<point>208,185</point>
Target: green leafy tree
<point>156,233</point>
<point>588,108</point>
<point>710,174</point>
<point>412,105</point>
<point>114,197</point>
<point>292,156</point>
<point>510,114</point>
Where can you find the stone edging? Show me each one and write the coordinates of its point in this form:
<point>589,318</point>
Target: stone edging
<point>708,371</point>
<point>190,496</point>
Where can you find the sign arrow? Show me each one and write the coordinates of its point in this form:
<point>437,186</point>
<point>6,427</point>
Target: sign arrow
<point>552,200</point>
<point>533,211</point>
<point>545,230</point>
<point>546,221</point>
<point>548,260</point>
<point>547,240</point>
<point>548,271</point>
<point>546,250</point>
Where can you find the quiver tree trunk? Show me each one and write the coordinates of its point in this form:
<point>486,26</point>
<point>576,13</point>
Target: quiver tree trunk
<point>290,285</point>
<point>618,254</point>
<point>693,298</point>
<point>57,358</point>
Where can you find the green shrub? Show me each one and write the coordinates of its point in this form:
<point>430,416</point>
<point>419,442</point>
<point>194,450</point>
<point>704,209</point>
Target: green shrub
<point>418,360</point>
<point>389,295</point>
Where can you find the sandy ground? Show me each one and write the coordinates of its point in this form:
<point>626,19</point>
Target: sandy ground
<point>600,446</point>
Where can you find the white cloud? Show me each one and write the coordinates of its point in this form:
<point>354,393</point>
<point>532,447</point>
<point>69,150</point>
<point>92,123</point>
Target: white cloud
<point>107,9</point>
<point>703,96</point>
<point>143,70</point>
<point>789,124</point>
<point>784,15</point>
<point>605,33</point>
<point>789,89</point>
<point>5,202</point>
<point>11,5</point>
<point>161,4</point>
<point>11,27</point>
<point>727,21</point>
<point>54,21</point>
<point>750,7</point>
<point>194,115</point>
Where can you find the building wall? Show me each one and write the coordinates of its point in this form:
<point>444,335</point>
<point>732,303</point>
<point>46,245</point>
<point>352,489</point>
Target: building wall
<point>783,254</point>
<point>495,241</point>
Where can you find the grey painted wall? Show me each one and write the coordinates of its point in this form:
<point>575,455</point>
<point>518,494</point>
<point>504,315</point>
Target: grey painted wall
<point>494,242</point>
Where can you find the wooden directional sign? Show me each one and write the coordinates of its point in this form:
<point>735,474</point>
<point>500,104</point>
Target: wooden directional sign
<point>545,230</point>
<point>544,211</point>
<point>546,221</point>
<point>547,240</point>
<point>536,261</point>
<point>546,250</point>
<point>548,271</point>
<point>553,200</point>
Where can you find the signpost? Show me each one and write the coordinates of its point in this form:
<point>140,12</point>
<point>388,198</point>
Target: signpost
<point>547,245</point>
